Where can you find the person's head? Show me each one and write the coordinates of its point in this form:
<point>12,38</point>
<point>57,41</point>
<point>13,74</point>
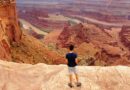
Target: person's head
<point>71,47</point>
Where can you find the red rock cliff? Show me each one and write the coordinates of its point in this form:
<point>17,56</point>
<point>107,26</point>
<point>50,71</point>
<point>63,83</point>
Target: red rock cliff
<point>9,28</point>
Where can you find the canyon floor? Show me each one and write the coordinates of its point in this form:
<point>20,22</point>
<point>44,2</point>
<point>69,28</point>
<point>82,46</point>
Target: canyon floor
<point>17,76</point>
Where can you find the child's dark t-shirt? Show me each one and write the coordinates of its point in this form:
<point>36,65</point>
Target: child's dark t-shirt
<point>71,57</point>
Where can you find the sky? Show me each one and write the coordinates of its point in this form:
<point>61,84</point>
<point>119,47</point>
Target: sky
<point>108,2</point>
<point>51,1</point>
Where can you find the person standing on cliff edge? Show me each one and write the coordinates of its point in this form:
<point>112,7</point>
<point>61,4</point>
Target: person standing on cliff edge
<point>72,63</point>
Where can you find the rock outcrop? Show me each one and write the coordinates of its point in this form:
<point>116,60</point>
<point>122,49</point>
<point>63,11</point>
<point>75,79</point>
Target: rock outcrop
<point>125,36</point>
<point>52,77</point>
<point>111,55</point>
<point>16,45</point>
<point>80,33</point>
<point>32,51</point>
<point>105,48</point>
<point>9,29</point>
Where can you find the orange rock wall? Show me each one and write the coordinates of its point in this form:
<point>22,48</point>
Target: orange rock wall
<point>9,28</point>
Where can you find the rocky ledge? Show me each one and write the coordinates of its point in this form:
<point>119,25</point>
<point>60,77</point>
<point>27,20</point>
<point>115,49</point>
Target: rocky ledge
<point>16,76</point>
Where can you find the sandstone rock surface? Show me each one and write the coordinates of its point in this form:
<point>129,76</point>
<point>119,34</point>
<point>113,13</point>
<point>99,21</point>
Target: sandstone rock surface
<point>16,76</point>
<point>9,28</point>
<point>31,50</point>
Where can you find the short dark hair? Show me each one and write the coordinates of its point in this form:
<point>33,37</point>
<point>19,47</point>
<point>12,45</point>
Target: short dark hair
<point>71,47</point>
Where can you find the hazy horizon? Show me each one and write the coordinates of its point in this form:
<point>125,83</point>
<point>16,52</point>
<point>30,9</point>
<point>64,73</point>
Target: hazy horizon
<point>72,1</point>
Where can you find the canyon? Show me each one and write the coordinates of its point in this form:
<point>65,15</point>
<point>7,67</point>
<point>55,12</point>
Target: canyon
<point>32,58</point>
<point>16,45</point>
<point>93,11</point>
<point>95,44</point>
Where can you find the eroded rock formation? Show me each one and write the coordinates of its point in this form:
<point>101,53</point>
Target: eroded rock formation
<point>9,20</point>
<point>9,29</point>
<point>16,45</point>
<point>80,33</point>
<point>125,36</point>
<point>107,50</point>
<point>32,51</point>
<point>111,55</point>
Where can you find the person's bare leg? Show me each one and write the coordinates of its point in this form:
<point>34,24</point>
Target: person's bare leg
<point>77,77</point>
<point>71,78</point>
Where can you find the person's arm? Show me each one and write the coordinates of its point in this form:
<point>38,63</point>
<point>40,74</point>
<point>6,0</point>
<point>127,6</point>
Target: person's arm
<point>77,61</point>
<point>66,61</point>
